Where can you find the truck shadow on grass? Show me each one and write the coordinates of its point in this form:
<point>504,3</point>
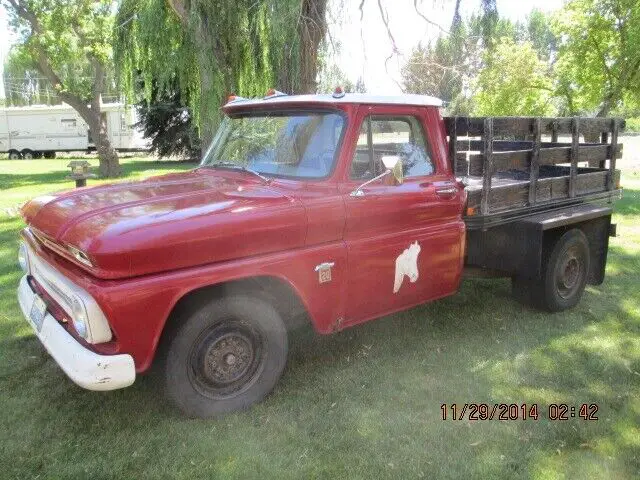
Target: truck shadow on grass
<point>479,347</point>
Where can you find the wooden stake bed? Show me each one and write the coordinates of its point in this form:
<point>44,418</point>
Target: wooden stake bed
<point>514,166</point>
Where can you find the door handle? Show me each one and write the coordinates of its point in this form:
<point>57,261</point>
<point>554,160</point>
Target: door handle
<point>446,192</point>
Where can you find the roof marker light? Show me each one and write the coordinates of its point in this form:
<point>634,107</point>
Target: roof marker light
<point>234,98</point>
<point>338,92</point>
<point>272,92</point>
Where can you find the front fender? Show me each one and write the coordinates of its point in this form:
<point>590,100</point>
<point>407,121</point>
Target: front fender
<point>138,308</point>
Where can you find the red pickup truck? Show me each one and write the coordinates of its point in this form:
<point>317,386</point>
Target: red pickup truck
<point>335,209</point>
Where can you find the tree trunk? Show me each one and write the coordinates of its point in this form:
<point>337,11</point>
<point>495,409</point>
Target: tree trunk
<point>312,27</point>
<point>457,19</point>
<point>109,165</point>
<point>108,157</point>
<point>207,109</point>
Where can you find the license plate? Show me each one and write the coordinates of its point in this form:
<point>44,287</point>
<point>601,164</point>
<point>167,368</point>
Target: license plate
<point>38,311</point>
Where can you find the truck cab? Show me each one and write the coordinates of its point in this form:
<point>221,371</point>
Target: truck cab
<point>334,209</point>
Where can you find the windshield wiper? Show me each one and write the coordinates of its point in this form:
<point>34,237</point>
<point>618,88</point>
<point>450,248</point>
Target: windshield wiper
<point>235,166</point>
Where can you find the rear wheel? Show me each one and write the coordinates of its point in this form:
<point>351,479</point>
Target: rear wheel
<point>564,275</point>
<point>566,270</point>
<point>225,356</point>
<point>28,154</point>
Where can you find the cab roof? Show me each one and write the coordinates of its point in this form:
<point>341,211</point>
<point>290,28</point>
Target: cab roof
<point>328,99</point>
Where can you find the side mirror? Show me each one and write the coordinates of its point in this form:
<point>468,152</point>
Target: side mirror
<point>394,163</point>
<point>393,167</point>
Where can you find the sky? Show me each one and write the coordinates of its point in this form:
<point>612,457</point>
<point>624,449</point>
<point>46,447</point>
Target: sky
<point>360,46</point>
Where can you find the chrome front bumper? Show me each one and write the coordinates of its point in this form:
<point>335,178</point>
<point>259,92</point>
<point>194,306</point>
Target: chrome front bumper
<point>86,368</point>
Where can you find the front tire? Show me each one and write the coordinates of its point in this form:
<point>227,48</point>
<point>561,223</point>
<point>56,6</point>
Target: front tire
<point>226,355</point>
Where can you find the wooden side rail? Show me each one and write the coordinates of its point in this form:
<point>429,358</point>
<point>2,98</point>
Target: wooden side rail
<point>491,153</point>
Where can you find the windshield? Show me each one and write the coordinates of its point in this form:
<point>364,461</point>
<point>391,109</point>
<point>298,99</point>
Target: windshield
<point>278,144</point>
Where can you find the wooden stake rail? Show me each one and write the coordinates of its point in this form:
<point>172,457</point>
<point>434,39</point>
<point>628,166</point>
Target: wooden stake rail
<point>519,169</point>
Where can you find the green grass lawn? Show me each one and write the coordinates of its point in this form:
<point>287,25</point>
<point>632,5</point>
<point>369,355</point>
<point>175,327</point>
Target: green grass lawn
<point>364,403</point>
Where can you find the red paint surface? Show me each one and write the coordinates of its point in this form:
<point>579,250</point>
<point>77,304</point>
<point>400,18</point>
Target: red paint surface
<point>154,241</point>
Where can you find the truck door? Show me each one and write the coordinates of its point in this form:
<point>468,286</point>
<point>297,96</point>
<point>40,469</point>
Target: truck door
<point>404,242</point>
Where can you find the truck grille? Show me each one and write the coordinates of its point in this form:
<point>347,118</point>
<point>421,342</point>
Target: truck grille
<point>54,283</point>
<point>50,286</point>
<point>64,292</point>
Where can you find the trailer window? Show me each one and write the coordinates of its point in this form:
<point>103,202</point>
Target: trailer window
<point>391,135</point>
<point>68,122</point>
<point>124,125</point>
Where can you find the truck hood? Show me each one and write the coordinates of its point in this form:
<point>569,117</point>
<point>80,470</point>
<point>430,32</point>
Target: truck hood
<point>169,222</point>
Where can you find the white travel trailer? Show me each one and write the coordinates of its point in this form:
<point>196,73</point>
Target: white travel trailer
<point>43,130</point>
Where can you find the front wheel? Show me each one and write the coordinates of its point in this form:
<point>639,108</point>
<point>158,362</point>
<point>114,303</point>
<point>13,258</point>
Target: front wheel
<point>225,356</point>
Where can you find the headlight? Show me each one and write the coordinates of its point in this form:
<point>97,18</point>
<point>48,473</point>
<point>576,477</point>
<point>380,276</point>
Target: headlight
<point>80,317</point>
<point>23,257</point>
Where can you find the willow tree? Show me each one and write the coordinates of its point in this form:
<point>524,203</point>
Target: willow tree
<point>69,44</point>
<point>218,47</point>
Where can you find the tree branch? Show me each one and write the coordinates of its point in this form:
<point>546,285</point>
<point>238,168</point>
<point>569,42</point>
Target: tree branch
<point>430,22</point>
<point>27,15</point>
<point>180,9</point>
<point>607,70</point>
<point>45,68</point>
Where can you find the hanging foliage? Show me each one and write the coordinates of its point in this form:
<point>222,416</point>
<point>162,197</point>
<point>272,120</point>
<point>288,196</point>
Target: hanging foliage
<point>215,47</point>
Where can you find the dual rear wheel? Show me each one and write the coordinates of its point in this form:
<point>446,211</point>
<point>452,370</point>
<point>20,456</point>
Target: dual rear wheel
<point>27,154</point>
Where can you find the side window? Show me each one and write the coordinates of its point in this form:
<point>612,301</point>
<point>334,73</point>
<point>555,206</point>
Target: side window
<point>68,123</point>
<point>391,135</point>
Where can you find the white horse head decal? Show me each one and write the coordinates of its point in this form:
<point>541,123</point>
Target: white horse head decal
<point>407,264</point>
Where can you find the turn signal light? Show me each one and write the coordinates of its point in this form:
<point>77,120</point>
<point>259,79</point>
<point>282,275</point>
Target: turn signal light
<point>271,91</point>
